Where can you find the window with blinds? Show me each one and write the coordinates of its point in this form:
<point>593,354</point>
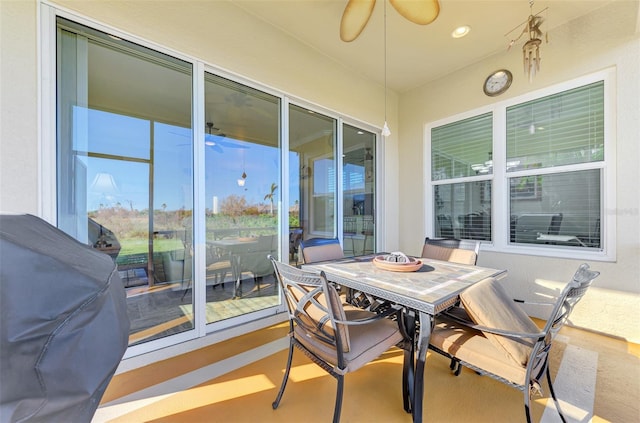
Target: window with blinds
<point>463,149</point>
<point>564,131</point>
<point>529,174</point>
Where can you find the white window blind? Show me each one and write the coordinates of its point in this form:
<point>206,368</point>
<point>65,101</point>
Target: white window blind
<point>560,129</point>
<point>462,148</point>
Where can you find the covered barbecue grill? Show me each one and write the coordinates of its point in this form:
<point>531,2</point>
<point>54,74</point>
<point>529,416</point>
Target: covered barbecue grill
<point>63,323</point>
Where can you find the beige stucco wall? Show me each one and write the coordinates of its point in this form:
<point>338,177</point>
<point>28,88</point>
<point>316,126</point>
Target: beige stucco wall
<point>18,107</point>
<point>606,38</point>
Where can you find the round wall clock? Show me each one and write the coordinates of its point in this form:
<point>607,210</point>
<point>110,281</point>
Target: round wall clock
<point>497,83</point>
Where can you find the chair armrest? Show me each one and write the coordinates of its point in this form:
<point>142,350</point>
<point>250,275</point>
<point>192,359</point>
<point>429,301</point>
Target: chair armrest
<point>496,331</point>
<point>533,302</point>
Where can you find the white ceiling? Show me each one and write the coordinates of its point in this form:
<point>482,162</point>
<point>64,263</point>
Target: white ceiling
<point>415,54</point>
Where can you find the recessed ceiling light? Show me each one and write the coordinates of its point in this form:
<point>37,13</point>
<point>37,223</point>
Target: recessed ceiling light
<point>461,31</point>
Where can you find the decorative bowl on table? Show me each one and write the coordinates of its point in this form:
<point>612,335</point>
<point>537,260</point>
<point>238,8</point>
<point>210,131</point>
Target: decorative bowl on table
<point>397,262</point>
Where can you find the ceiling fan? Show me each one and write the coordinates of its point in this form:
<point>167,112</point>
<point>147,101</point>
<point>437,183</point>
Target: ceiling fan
<point>216,142</point>
<point>357,13</point>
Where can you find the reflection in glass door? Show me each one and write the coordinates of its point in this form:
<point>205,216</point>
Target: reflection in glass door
<point>312,177</point>
<point>359,187</point>
<point>125,172</point>
<point>242,189</point>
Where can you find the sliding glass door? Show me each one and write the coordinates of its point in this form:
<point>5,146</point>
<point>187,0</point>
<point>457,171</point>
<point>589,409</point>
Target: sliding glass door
<point>242,191</point>
<point>312,176</point>
<point>190,214</point>
<point>125,172</point>
<point>359,188</point>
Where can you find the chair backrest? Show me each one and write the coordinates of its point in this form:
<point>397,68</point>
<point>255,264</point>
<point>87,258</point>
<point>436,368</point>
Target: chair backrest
<point>444,226</point>
<point>295,236</point>
<point>320,249</point>
<point>314,305</point>
<point>350,225</point>
<point>570,296</point>
<point>255,259</point>
<point>450,249</point>
<point>528,226</point>
<point>367,225</point>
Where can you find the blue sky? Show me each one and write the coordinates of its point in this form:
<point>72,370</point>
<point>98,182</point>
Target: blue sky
<point>112,135</point>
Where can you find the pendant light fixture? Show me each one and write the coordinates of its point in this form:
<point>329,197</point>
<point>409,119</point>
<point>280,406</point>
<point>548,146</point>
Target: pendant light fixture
<point>243,177</point>
<point>385,128</point>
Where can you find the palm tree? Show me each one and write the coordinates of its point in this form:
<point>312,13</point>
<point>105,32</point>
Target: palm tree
<point>270,196</point>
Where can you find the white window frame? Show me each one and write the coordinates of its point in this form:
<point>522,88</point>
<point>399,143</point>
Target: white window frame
<point>500,184</point>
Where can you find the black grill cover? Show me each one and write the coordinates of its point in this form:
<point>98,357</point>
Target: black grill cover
<point>64,324</point>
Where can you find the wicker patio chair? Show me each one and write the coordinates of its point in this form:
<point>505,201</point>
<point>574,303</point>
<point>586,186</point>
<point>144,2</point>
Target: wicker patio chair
<point>501,341</point>
<point>339,338</point>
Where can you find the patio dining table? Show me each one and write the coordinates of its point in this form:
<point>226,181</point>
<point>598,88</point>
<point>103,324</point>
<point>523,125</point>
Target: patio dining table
<point>421,294</point>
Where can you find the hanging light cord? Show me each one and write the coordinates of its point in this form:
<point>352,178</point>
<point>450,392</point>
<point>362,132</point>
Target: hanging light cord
<point>385,129</point>
<point>385,61</point>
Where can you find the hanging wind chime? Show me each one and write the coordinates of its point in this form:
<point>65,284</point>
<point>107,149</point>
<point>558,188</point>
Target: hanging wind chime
<point>531,56</point>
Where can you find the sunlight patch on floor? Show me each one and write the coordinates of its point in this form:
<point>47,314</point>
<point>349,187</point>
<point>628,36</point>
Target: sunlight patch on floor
<point>194,398</point>
<point>574,385</point>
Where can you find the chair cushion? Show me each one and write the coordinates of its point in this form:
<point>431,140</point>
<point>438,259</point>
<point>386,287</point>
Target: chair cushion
<point>471,346</point>
<point>368,341</point>
<point>322,252</point>
<point>454,255</point>
<point>488,304</point>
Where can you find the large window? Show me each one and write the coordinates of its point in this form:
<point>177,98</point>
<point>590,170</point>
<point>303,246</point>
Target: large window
<point>530,176</point>
<point>461,168</point>
<point>556,132</point>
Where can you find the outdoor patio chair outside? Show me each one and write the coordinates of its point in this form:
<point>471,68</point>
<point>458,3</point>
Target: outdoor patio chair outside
<point>339,338</point>
<point>450,249</point>
<point>501,341</point>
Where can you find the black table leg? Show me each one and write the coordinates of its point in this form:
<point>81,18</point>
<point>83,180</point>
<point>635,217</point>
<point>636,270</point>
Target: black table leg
<point>409,330</point>
<point>235,265</point>
<point>423,345</point>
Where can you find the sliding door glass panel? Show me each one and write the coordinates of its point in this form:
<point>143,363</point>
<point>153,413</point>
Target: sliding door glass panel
<point>125,171</point>
<point>242,190</point>
<point>359,187</point>
<point>312,174</point>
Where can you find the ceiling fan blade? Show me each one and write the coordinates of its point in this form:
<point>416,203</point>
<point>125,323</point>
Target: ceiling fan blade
<point>354,18</point>
<point>421,12</point>
<point>227,144</point>
<point>216,148</point>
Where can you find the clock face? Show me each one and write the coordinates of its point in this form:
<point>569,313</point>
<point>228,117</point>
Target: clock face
<point>497,83</point>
